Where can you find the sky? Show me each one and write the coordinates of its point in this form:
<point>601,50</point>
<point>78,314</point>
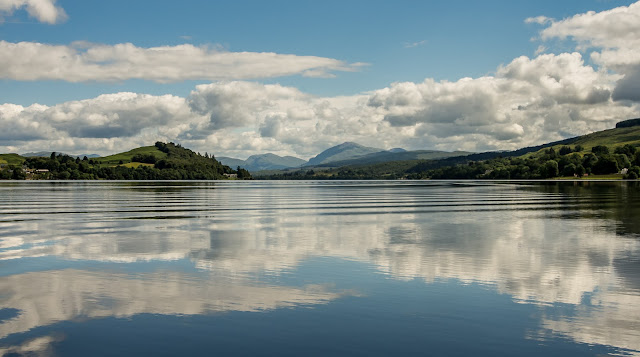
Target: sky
<point>237,78</point>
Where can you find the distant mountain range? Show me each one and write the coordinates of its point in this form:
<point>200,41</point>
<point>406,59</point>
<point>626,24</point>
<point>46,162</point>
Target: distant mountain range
<point>348,153</point>
<point>345,151</point>
<point>48,153</point>
<point>263,162</point>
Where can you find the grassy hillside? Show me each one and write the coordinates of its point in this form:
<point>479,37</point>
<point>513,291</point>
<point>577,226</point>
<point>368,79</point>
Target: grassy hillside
<point>127,157</point>
<point>11,159</point>
<point>612,138</point>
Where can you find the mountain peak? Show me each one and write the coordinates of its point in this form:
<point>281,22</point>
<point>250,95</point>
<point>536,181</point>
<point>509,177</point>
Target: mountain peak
<point>345,151</point>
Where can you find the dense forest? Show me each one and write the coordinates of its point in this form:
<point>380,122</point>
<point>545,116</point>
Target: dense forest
<point>176,163</point>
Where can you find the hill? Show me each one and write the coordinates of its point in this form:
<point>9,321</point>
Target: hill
<point>48,153</point>
<point>628,123</point>
<point>138,153</point>
<point>272,162</point>
<point>264,162</point>
<point>344,151</point>
<point>231,162</point>
<point>601,153</point>
<point>11,159</point>
<point>164,161</point>
<point>386,156</point>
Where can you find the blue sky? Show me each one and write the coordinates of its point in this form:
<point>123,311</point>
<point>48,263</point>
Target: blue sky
<point>359,52</point>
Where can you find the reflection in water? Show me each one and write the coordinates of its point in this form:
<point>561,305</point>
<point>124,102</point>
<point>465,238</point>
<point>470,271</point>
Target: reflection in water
<point>546,244</point>
<point>45,298</point>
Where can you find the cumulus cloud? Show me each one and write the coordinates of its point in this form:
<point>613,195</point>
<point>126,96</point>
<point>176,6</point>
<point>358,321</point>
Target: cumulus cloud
<point>529,101</point>
<point>42,10</point>
<point>108,122</point>
<point>614,36</point>
<point>78,62</point>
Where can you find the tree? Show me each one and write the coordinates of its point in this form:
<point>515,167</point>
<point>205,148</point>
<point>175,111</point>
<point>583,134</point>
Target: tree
<point>243,174</point>
<point>565,150</point>
<point>633,174</point>
<point>628,150</point>
<point>580,171</point>
<point>550,169</point>
<point>600,150</point>
<point>569,170</point>
<point>551,154</point>
<point>578,148</point>
<point>589,160</point>
<point>18,174</point>
<point>606,165</point>
<point>623,160</point>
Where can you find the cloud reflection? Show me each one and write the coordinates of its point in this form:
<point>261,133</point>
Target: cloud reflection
<point>45,298</point>
<point>542,245</point>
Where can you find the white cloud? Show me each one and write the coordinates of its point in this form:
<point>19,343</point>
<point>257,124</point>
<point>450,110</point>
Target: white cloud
<point>107,123</point>
<point>526,102</point>
<point>615,28</point>
<point>414,44</point>
<point>614,36</point>
<point>78,62</point>
<point>42,10</point>
<point>541,20</point>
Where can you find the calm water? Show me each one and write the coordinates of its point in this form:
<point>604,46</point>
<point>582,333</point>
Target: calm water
<point>319,268</point>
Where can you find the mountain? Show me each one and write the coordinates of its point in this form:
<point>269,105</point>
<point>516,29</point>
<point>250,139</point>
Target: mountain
<point>263,162</point>
<point>344,151</point>
<point>48,153</point>
<point>386,156</point>
<point>272,162</point>
<point>231,162</point>
<point>578,156</point>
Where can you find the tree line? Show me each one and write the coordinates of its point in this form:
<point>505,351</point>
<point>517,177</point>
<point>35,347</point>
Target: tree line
<point>179,164</point>
<point>548,163</point>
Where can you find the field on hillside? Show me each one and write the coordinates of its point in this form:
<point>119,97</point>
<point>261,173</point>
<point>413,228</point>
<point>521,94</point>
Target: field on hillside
<point>11,159</point>
<point>126,157</point>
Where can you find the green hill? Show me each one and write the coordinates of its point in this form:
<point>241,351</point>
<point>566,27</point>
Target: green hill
<point>601,154</point>
<point>164,161</point>
<point>344,151</point>
<point>128,156</point>
<point>612,138</point>
<point>11,159</point>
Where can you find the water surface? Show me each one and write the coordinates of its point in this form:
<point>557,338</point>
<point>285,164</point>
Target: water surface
<point>320,268</point>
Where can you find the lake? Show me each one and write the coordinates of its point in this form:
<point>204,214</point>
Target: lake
<point>356,268</point>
